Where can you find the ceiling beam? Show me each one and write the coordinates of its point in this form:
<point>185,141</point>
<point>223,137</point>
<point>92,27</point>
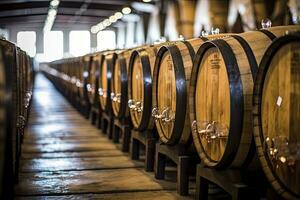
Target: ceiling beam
<point>108,5</point>
<point>114,2</point>
<point>41,19</point>
<point>61,11</point>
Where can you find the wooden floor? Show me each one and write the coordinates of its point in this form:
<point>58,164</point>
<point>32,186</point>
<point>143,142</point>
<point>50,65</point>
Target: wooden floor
<point>65,157</point>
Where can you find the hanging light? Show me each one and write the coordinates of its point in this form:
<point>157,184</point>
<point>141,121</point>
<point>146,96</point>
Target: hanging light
<point>100,26</point>
<point>106,22</point>
<point>118,15</point>
<point>126,10</point>
<point>54,3</point>
<point>112,19</point>
<point>52,12</point>
<point>94,29</point>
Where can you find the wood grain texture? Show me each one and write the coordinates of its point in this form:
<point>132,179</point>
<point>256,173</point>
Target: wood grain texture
<point>280,109</point>
<point>171,77</point>
<point>213,84</point>
<point>77,164</point>
<point>119,83</point>
<point>140,79</point>
<point>162,195</point>
<point>96,181</point>
<point>64,154</point>
<point>94,65</point>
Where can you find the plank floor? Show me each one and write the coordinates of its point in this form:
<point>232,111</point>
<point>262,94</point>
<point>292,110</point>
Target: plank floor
<point>65,157</point>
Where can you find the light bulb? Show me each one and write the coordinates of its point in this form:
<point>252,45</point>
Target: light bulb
<point>126,10</point>
<point>118,15</point>
<point>112,19</point>
<point>54,3</point>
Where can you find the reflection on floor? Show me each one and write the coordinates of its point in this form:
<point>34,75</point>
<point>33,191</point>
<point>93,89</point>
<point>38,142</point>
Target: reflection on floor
<point>65,157</point>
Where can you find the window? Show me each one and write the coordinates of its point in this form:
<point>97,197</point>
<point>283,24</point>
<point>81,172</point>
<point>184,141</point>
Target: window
<point>106,40</point>
<point>80,42</point>
<point>53,46</point>
<point>26,41</point>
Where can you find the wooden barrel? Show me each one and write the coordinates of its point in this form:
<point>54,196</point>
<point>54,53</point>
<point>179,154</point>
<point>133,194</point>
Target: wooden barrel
<point>81,75</point>
<point>92,80</point>
<point>13,77</point>
<point>119,84</point>
<point>171,76</point>
<point>7,120</point>
<point>86,61</point>
<point>220,99</point>
<point>140,74</point>
<point>72,70</point>
<point>276,115</point>
<point>105,75</point>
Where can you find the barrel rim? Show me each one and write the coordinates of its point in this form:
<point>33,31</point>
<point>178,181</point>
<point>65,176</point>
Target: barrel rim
<point>86,69</point>
<point>236,102</point>
<point>98,67</point>
<point>98,62</point>
<point>124,91</point>
<point>257,97</point>
<point>110,65</point>
<point>147,100</point>
<point>181,92</point>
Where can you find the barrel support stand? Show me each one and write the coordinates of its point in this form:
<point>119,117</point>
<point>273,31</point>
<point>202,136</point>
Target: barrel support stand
<point>185,164</point>
<point>77,103</point>
<point>230,180</point>
<point>147,139</point>
<point>95,116</point>
<point>123,127</point>
<point>85,108</point>
<point>107,122</point>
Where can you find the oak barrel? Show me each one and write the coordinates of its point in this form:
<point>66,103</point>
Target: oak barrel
<point>105,75</point>
<point>7,118</point>
<point>171,76</point>
<point>93,76</point>
<point>141,65</point>
<point>220,98</point>
<point>81,75</point>
<point>276,115</point>
<point>119,84</point>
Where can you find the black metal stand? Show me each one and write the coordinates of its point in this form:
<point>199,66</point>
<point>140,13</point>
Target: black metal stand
<point>230,180</point>
<point>85,108</point>
<point>147,139</point>
<point>95,116</point>
<point>107,122</point>
<point>122,127</point>
<point>185,164</point>
<point>77,103</point>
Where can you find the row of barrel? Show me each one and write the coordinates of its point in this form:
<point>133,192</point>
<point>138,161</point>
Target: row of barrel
<point>234,97</point>
<point>16,83</point>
